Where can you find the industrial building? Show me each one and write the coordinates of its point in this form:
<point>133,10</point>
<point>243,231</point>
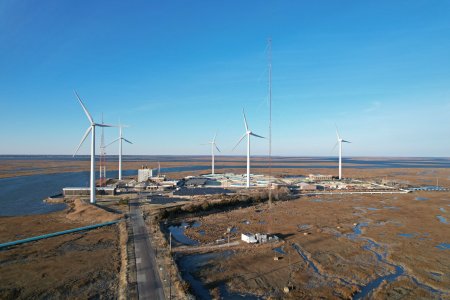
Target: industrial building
<point>231,180</point>
<point>320,177</point>
<point>307,186</point>
<point>145,173</point>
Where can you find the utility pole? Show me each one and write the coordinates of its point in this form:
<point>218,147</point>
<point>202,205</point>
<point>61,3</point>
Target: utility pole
<point>270,121</point>
<point>170,267</point>
<point>170,283</point>
<point>290,268</point>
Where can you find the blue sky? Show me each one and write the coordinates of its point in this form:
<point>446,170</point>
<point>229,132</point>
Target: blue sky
<point>177,71</point>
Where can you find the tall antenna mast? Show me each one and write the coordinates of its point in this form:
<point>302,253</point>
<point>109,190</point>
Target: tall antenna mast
<point>102,159</point>
<point>270,121</point>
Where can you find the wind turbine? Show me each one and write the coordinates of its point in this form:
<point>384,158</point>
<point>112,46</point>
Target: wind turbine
<point>213,145</point>
<point>120,139</point>
<point>91,129</point>
<point>247,134</point>
<point>340,141</point>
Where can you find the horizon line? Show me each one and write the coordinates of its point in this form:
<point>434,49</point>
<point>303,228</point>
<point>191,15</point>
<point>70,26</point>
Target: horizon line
<point>230,155</point>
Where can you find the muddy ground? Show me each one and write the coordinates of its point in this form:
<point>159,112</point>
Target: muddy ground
<point>343,265</point>
<point>79,265</point>
<point>396,254</point>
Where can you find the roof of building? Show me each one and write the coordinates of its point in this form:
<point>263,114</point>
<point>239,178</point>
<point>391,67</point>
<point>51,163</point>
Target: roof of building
<point>195,181</point>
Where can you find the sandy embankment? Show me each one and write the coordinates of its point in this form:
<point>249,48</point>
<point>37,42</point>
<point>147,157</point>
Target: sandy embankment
<point>85,211</point>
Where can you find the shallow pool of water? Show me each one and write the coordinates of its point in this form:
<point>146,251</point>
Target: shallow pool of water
<point>305,258</point>
<point>357,230</point>
<point>304,226</point>
<point>196,224</point>
<point>381,258</point>
<point>279,250</point>
<point>179,236</point>
<point>316,200</point>
<point>443,246</point>
<point>436,274</point>
<point>372,285</point>
<point>407,235</point>
<point>442,219</point>
<point>190,265</point>
<point>421,199</point>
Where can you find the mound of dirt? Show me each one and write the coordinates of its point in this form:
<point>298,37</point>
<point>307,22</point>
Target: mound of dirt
<point>82,211</point>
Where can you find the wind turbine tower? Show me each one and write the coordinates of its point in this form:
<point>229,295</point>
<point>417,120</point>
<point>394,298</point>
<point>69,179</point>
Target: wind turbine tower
<point>91,129</point>
<point>247,134</point>
<point>102,166</point>
<point>120,139</point>
<point>213,145</point>
<point>340,141</point>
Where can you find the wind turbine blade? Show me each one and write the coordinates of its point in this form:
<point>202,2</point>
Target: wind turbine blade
<point>245,120</point>
<point>217,147</point>
<point>335,145</point>
<point>239,141</point>
<point>104,125</point>
<point>257,135</point>
<point>214,139</point>
<point>337,131</point>
<point>344,141</point>
<point>82,140</point>
<point>84,108</point>
<point>112,142</point>
<point>127,141</point>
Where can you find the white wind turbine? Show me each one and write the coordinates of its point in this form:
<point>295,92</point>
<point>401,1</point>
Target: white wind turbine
<point>340,141</point>
<point>247,134</point>
<point>91,129</point>
<point>213,145</point>
<point>120,139</point>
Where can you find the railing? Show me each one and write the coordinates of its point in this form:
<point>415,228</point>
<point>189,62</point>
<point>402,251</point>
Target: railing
<point>49,235</point>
